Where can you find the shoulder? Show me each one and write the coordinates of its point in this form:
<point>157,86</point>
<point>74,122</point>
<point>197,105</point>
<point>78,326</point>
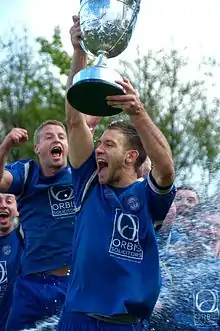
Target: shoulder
<point>20,164</point>
<point>19,169</point>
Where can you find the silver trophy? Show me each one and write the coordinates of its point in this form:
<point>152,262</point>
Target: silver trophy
<point>107,27</point>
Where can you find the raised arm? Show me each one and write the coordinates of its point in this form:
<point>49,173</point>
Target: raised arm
<point>154,142</point>
<point>79,134</point>
<point>15,137</point>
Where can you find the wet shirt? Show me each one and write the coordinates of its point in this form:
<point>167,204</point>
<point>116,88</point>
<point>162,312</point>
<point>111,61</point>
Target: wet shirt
<point>46,208</point>
<point>191,297</point>
<point>199,295</point>
<point>115,256</point>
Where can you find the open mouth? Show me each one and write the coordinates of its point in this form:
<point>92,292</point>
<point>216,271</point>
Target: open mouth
<point>4,217</point>
<point>4,214</point>
<point>56,151</point>
<point>102,164</point>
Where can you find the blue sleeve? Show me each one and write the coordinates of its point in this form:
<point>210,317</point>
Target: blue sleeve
<point>159,200</point>
<point>83,177</point>
<point>18,170</point>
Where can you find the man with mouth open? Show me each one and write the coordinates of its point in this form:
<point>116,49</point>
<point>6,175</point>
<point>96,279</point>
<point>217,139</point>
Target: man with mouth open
<point>115,281</point>
<point>46,207</point>
<point>10,252</point>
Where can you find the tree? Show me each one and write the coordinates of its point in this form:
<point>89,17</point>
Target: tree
<point>54,53</point>
<point>30,93</point>
<point>182,108</point>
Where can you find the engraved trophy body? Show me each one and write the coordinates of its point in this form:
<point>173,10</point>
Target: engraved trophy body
<point>107,27</point>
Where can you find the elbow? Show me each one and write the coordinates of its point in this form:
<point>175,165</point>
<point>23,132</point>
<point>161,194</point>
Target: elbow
<point>168,176</point>
<point>168,172</point>
<point>165,176</point>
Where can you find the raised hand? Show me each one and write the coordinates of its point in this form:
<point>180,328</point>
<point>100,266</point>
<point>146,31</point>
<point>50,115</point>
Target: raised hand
<point>15,137</point>
<point>129,102</point>
<point>92,121</point>
<point>76,33</point>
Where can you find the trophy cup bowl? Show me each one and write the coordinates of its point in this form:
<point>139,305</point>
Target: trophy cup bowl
<point>107,27</point>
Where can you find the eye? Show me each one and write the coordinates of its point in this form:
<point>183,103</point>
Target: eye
<point>109,143</point>
<point>191,200</point>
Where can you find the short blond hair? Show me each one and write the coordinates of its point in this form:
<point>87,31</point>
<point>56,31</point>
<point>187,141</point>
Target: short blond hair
<point>37,132</point>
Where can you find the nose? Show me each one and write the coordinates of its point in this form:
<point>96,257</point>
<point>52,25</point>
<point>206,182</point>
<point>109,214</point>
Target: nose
<point>3,204</point>
<point>99,149</point>
<point>56,138</point>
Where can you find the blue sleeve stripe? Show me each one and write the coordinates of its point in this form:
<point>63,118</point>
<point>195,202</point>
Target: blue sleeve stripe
<point>21,230</point>
<point>89,182</point>
<point>155,188</point>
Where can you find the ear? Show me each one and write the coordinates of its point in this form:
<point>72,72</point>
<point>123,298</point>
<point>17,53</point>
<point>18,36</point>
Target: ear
<point>36,149</point>
<point>131,157</point>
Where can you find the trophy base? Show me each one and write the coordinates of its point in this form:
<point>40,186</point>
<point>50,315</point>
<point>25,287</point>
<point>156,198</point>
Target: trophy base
<point>89,97</point>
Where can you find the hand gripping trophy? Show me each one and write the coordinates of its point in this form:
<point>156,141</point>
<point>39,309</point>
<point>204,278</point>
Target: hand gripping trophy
<point>107,27</point>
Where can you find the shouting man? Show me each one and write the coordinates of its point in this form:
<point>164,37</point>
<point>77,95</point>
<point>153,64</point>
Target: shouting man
<point>10,252</point>
<point>46,207</point>
<point>115,281</point>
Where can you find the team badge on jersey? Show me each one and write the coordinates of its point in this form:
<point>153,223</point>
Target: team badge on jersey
<point>6,249</point>
<point>133,203</point>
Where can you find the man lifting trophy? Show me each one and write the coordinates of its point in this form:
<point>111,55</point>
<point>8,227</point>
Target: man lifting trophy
<point>107,27</point>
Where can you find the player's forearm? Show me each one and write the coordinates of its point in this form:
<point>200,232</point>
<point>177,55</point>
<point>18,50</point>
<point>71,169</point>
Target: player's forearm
<point>5,177</point>
<point>74,118</point>
<point>156,147</point>
<point>4,150</point>
<point>80,137</point>
<point>79,61</point>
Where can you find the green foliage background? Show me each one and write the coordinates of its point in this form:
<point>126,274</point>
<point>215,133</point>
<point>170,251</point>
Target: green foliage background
<point>31,91</point>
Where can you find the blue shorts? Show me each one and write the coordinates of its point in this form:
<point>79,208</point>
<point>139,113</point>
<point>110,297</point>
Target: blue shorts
<point>82,322</point>
<point>36,298</point>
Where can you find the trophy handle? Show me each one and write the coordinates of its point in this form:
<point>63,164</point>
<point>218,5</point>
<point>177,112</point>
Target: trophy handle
<point>133,19</point>
<point>84,48</point>
<point>82,43</point>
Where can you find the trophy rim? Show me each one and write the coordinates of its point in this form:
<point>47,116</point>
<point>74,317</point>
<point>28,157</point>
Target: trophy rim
<point>96,91</point>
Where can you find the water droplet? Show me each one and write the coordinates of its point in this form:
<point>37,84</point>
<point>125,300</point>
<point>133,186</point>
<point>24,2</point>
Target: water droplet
<point>190,268</point>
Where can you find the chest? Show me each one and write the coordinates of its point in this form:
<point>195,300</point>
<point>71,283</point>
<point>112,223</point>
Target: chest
<point>47,198</point>
<point>9,259</point>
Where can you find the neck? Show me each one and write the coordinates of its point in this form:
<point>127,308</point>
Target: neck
<point>125,179</point>
<point>49,171</point>
<point>5,233</point>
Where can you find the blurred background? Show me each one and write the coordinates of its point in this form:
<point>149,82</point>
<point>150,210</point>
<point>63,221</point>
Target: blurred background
<point>173,61</point>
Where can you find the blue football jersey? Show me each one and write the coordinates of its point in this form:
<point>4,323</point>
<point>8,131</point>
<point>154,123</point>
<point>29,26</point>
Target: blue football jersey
<point>10,252</point>
<point>46,208</point>
<point>115,256</point>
